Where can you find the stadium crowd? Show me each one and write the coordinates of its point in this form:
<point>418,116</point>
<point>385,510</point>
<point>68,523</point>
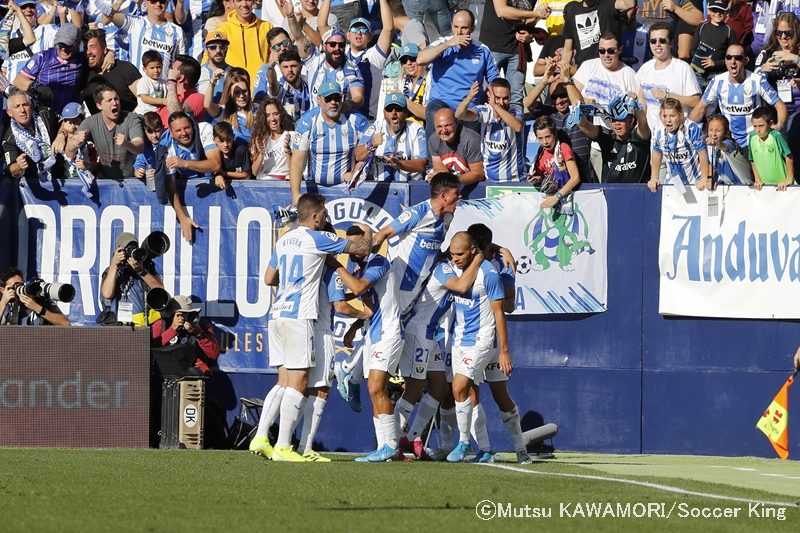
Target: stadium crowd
<point>693,92</point>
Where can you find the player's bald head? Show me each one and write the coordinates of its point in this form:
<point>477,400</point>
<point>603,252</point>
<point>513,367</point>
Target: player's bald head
<point>462,240</point>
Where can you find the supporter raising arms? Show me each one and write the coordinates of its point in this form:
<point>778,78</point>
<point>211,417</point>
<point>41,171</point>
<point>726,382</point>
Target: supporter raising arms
<point>150,32</point>
<point>236,105</point>
<point>681,144</point>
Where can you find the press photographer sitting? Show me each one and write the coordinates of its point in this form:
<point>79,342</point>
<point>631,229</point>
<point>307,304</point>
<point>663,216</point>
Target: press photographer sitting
<point>125,283</point>
<point>22,310</point>
<point>184,327</point>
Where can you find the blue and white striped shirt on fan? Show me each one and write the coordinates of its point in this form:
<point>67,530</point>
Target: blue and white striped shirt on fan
<point>680,151</point>
<point>316,71</point>
<point>166,39</point>
<point>503,159</point>
<point>410,143</point>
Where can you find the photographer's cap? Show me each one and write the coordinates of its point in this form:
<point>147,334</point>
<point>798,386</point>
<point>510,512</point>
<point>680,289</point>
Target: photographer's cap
<point>125,239</point>
<point>68,34</point>
<point>71,110</point>
<point>185,304</point>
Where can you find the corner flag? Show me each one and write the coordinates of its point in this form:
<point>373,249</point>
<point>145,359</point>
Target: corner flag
<point>774,423</point>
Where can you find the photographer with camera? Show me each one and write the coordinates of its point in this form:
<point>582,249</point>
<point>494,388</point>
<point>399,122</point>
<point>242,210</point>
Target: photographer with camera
<point>185,327</point>
<point>127,279</point>
<point>18,308</point>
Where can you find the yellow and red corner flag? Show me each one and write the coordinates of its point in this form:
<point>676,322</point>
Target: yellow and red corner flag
<point>775,420</point>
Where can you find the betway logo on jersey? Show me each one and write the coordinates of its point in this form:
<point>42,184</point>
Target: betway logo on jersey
<point>430,245</point>
<point>158,45</point>
<point>677,156</point>
<point>496,146</point>
<point>736,109</point>
<point>464,301</point>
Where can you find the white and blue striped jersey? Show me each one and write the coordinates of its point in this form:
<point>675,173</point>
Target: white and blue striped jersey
<point>411,143</point>
<point>474,319</point>
<point>331,290</point>
<point>503,158</point>
<point>507,275</point>
<point>331,148</point>
<point>299,257</point>
<point>386,317</point>
<point>294,101</point>
<point>193,26</point>
<point>143,35</point>
<point>45,38</point>
<point>681,151</point>
<point>433,303</point>
<point>316,71</point>
<point>738,100</point>
<point>731,167</point>
<point>370,63</point>
<point>421,235</point>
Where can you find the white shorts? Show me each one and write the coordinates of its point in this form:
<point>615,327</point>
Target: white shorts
<point>325,348</point>
<point>418,352</point>
<point>291,343</point>
<point>383,355</point>
<point>493,374</point>
<point>471,361</point>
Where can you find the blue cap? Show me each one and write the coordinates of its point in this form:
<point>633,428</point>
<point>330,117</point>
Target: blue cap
<point>71,110</point>
<point>395,99</point>
<point>332,33</point>
<point>409,50</point>
<point>328,88</point>
<point>362,21</point>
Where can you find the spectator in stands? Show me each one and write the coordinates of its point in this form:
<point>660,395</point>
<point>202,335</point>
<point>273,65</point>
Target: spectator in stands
<point>369,59</point>
<point>27,142</point>
<point>21,310</point>
<point>778,62</point>
<point>248,48</point>
<point>500,22</point>
<point>711,39</point>
<point>124,285</point>
<point>116,134</point>
<point>145,165</point>
<point>625,149</point>
<point>333,66</point>
<point>501,131</point>
<point>186,151</point>
<point>681,144</point>
<point>185,327</point>
<point>326,138</point>
<point>455,62</point>
<point>29,39</point>
<point>57,72</point>
<point>737,93</point>
<point>414,82</point>
<point>270,145</point>
<point>555,17</point>
<point>216,49</point>
<point>149,32</point>
<point>290,89</point>
<point>665,75</point>
<point>121,75</point>
<point>728,165</point>
<point>399,145</point>
<point>455,149</point>
<point>411,31</point>
<point>437,10</point>
<point>769,154</point>
<point>182,92</point>
<point>236,105</point>
<point>71,119</point>
<point>150,89</point>
<point>741,19</point>
<point>218,14</point>
<point>681,15</point>
<point>234,155</point>
<point>584,23</point>
<point>554,170</point>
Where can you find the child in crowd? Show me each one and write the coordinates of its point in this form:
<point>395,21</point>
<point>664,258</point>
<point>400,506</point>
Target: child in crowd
<point>554,170</point>
<point>235,156</point>
<point>711,39</point>
<point>682,144</point>
<point>729,166</point>
<point>145,164</point>
<point>769,153</point>
<point>76,168</point>
<point>150,89</point>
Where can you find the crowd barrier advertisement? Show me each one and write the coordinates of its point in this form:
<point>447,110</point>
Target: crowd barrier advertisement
<point>66,237</point>
<point>733,253</point>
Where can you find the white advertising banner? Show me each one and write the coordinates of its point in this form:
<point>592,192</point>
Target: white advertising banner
<point>561,260</point>
<point>733,253</point>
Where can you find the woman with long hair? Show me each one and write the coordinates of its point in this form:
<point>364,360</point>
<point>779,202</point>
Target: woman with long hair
<point>270,144</point>
<point>236,105</point>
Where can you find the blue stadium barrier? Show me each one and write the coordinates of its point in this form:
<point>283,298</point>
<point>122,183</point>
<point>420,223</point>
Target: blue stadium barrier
<point>626,381</point>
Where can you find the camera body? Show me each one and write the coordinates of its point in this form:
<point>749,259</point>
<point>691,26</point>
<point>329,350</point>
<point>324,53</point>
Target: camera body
<point>154,245</point>
<point>38,288</point>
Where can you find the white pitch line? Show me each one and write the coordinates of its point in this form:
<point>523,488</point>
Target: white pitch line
<point>656,486</point>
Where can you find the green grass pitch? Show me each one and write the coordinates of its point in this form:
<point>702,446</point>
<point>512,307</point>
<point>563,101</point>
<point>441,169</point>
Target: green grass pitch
<point>153,490</point>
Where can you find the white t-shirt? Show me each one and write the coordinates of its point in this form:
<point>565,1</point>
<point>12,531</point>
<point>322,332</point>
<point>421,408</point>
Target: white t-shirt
<point>275,165</point>
<point>678,77</point>
<point>601,85</point>
<point>150,87</point>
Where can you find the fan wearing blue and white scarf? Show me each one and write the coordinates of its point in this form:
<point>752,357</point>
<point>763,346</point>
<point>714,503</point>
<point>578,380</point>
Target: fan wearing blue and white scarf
<point>36,145</point>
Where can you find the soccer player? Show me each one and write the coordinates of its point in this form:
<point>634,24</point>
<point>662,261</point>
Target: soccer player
<point>494,375</point>
<point>297,264</point>
<point>479,318</point>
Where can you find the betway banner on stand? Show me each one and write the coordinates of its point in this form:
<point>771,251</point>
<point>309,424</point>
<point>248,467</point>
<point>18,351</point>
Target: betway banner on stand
<point>561,260</point>
<point>66,237</point>
<point>734,253</point>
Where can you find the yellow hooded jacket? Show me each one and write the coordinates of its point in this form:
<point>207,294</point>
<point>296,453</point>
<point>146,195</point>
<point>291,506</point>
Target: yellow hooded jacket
<point>248,46</point>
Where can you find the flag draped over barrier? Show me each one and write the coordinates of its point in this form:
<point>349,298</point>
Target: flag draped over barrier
<point>774,423</point>
<point>561,260</point>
